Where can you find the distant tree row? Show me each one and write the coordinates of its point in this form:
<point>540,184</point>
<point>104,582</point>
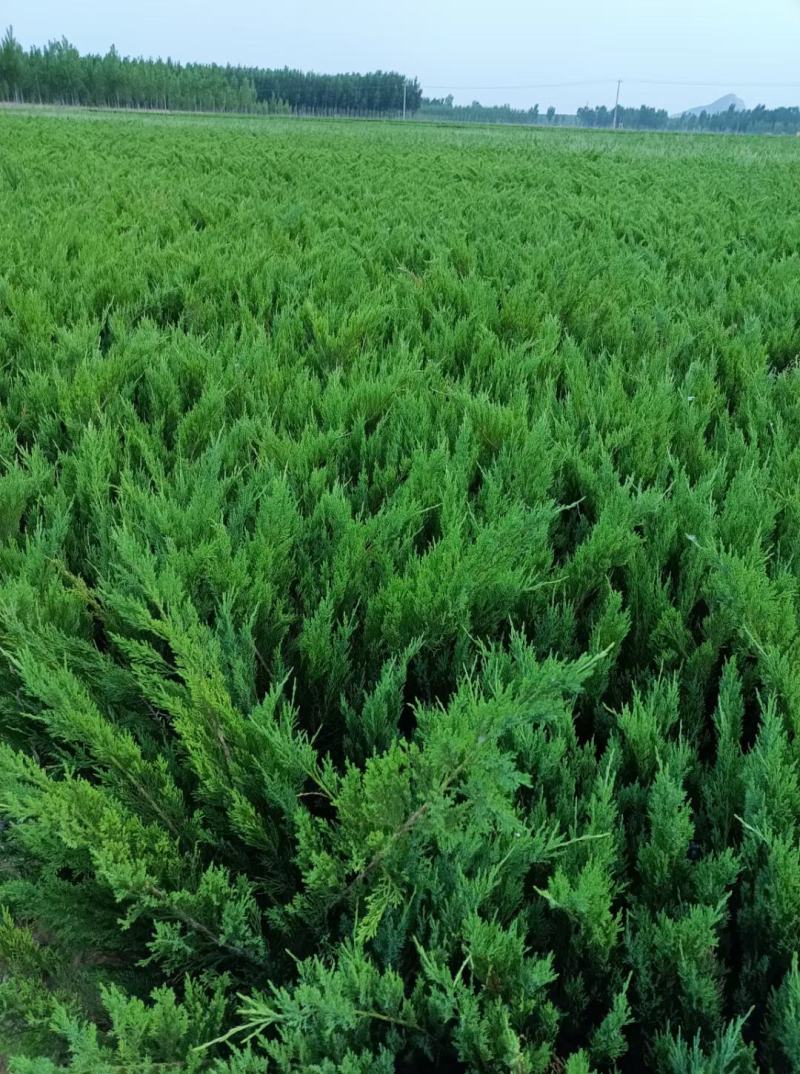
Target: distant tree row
<point>638,118</point>
<point>444,108</point>
<point>58,74</point>
<point>642,118</point>
<point>758,120</point>
<point>378,93</point>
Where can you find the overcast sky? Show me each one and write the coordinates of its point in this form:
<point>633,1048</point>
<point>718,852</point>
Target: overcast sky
<point>515,51</point>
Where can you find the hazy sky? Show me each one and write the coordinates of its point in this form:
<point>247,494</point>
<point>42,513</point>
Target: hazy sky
<point>504,50</point>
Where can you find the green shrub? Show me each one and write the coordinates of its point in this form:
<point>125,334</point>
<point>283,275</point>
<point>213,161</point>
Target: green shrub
<point>399,600</point>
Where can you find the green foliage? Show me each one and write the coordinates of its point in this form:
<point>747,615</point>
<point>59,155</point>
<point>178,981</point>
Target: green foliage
<point>58,74</point>
<point>783,1020</point>
<point>758,120</point>
<point>727,1054</point>
<point>399,600</point>
<point>162,1034</point>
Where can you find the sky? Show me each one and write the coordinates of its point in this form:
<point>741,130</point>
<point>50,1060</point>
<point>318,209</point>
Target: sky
<point>565,53</point>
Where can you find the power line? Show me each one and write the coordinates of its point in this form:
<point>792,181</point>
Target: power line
<point>532,85</point>
<point>732,82</point>
<point>631,81</point>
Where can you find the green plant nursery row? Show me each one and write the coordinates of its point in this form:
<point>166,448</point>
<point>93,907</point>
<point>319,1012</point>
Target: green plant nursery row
<point>399,599</point>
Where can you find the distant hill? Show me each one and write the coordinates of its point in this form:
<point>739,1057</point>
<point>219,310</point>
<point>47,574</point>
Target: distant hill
<point>722,104</point>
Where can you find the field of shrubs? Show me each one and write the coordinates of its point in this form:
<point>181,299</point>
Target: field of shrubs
<point>399,599</point>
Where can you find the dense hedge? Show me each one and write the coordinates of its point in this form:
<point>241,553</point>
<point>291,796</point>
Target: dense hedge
<point>399,561</point>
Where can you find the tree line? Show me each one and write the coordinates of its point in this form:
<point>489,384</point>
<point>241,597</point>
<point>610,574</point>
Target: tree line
<point>58,73</point>
<point>758,120</point>
<point>643,118</point>
<point>445,108</point>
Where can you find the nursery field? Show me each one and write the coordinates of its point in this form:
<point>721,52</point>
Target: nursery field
<point>399,599</point>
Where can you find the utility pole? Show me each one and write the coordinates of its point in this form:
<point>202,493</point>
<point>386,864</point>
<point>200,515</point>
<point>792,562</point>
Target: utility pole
<point>405,84</point>
<point>616,104</point>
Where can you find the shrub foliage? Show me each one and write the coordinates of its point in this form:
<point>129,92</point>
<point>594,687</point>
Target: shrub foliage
<point>399,565</point>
